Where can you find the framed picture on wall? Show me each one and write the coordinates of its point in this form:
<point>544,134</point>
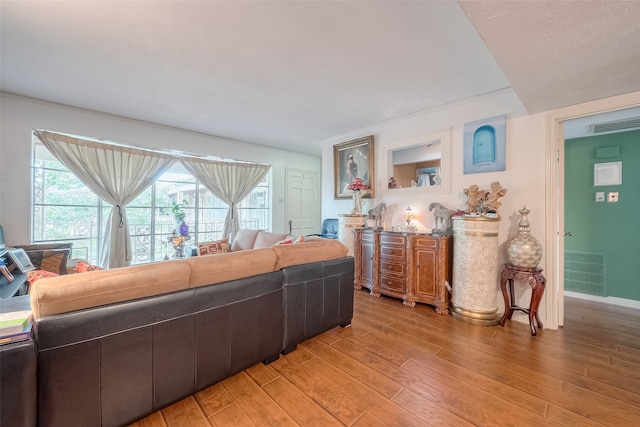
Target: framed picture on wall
<point>351,160</point>
<point>485,145</point>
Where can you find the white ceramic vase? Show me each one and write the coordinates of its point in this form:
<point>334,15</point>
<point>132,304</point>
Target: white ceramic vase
<point>357,202</point>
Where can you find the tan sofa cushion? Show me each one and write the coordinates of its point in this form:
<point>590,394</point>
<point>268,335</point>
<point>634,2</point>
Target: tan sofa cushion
<point>210,269</point>
<point>309,251</point>
<point>71,292</point>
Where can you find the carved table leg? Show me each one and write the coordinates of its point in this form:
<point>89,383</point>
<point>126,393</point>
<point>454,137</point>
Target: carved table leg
<point>508,311</point>
<point>536,297</point>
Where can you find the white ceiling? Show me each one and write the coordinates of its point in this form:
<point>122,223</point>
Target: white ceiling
<point>289,74</point>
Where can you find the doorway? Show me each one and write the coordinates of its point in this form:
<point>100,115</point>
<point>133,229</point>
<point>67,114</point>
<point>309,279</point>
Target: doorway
<point>554,236</point>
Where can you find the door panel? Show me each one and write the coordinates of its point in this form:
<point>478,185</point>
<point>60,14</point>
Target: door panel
<point>302,202</point>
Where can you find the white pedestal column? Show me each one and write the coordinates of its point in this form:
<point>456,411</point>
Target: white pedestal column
<point>348,223</point>
<point>475,269</point>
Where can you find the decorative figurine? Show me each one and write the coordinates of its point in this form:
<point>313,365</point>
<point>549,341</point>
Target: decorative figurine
<point>491,197</point>
<point>484,202</point>
<point>377,213</point>
<point>442,216</point>
<point>474,199</point>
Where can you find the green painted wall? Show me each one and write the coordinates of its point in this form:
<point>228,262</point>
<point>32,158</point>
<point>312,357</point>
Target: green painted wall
<point>611,229</point>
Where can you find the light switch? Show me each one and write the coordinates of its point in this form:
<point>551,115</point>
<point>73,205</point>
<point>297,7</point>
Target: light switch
<point>613,197</point>
<point>600,196</point>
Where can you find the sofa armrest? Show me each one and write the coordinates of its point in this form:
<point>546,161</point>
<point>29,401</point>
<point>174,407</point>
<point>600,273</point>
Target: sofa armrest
<point>317,297</point>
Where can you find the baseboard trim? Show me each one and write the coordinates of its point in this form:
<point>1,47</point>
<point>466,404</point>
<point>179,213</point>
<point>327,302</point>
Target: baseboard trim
<point>606,300</point>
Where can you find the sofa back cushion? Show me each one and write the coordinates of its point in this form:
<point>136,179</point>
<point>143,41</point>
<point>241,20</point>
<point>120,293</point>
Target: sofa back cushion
<point>210,269</point>
<point>309,251</point>
<point>244,240</point>
<point>255,239</point>
<point>267,239</point>
<point>72,292</point>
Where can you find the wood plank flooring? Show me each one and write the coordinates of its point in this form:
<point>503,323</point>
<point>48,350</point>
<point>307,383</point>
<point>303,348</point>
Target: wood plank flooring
<point>399,366</point>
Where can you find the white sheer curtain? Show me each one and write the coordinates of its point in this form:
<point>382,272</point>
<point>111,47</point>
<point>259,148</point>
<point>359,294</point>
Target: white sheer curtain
<point>117,175</point>
<point>230,182</point>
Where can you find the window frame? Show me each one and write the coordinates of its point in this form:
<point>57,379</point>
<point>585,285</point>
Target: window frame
<point>198,211</point>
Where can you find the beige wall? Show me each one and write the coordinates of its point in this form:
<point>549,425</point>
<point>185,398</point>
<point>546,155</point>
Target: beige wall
<point>524,176</point>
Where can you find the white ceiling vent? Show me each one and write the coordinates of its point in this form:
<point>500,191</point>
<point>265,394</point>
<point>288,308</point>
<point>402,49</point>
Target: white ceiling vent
<point>615,125</point>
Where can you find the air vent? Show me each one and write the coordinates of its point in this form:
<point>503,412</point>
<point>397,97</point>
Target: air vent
<point>615,125</point>
<point>585,273</point>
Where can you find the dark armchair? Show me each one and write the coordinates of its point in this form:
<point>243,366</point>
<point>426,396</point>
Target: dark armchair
<point>329,229</point>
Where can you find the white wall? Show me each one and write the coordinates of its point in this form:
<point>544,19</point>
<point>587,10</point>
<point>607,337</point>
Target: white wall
<point>19,116</point>
<point>524,176</point>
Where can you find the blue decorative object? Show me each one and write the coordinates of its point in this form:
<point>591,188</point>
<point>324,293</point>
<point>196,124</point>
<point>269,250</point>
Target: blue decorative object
<point>485,145</point>
<point>184,229</point>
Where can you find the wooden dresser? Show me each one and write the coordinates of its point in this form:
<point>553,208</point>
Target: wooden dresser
<point>415,267</point>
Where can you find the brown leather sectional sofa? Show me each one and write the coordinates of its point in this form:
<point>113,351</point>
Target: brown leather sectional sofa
<point>110,347</point>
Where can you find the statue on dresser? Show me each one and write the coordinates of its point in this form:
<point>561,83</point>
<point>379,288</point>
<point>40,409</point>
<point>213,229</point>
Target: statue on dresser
<point>442,215</point>
<point>377,213</point>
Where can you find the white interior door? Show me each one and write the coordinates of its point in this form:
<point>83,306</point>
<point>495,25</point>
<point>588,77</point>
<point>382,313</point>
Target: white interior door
<point>302,202</point>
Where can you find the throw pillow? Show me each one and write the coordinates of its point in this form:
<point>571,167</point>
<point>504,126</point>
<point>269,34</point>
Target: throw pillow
<point>215,247</point>
<point>84,266</point>
<point>290,241</point>
<point>34,275</point>
<point>52,261</point>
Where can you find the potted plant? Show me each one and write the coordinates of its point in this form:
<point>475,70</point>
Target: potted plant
<point>177,210</point>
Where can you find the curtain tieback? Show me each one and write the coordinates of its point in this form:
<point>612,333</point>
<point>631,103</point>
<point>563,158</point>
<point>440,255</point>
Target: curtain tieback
<point>120,216</point>
<point>233,208</point>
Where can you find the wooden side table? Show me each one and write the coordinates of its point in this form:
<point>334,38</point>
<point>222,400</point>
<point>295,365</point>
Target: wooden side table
<point>534,278</point>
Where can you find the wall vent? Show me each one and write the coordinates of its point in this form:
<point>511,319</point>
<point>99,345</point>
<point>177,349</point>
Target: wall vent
<point>585,272</point>
<point>615,125</point>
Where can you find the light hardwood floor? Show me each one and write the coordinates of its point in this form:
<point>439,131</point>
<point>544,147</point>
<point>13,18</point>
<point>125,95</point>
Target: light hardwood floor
<point>399,366</point>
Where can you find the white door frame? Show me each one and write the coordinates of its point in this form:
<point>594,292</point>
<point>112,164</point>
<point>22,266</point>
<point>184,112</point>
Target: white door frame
<point>554,235</point>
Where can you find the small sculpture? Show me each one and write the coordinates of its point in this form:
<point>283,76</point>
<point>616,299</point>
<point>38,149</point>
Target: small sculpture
<point>491,198</point>
<point>377,213</point>
<point>442,216</point>
<point>474,199</point>
<point>483,202</point>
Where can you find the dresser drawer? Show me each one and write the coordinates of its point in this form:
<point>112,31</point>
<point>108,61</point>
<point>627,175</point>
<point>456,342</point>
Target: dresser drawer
<point>392,240</point>
<point>391,268</point>
<point>425,242</point>
<point>367,237</point>
<point>391,252</point>
<point>392,282</point>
